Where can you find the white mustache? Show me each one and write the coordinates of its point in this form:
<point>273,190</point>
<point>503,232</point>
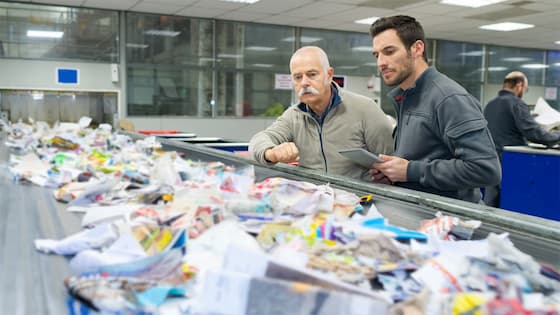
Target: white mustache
<point>308,89</point>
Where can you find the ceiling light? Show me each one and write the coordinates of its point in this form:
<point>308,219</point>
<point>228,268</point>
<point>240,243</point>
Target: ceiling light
<point>557,42</point>
<point>228,56</point>
<point>303,39</point>
<point>134,45</point>
<point>263,65</point>
<point>162,33</point>
<point>37,96</point>
<point>363,48</point>
<point>534,66</point>
<point>474,53</point>
<point>506,26</point>
<point>347,67</point>
<point>260,48</point>
<point>367,21</point>
<point>370,64</point>
<point>497,68</point>
<point>517,59</point>
<point>44,34</point>
<point>471,3</point>
<point>242,1</point>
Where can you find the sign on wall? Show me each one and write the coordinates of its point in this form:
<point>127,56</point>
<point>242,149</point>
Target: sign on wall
<point>67,76</point>
<point>282,82</point>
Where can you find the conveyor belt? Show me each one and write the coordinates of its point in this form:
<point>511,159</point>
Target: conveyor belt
<point>32,283</point>
<point>535,236</point>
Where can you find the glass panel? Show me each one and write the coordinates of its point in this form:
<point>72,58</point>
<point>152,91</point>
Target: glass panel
<point>250,93</point>
<point>51,32</point>
<point>168,90</point>
<point>170,65</point>
<point>249,56</point>
<point>462,62</point>
<point>502,60</point>
<point>553,76</point>
<point>161,39</point>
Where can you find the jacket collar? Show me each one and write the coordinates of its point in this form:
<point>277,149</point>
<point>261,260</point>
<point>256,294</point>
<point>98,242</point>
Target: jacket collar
<point>427,76</point>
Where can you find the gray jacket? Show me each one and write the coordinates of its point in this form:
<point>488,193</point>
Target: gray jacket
<point>443,134</point>
<point>353,121</point>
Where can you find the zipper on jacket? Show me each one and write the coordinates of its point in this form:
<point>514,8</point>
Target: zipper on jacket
<point>320,129</point>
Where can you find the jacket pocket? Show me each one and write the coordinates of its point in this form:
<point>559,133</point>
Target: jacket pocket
<point>466,127</point>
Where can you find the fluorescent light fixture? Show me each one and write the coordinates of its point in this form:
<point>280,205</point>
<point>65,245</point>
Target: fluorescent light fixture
<point>37,96</point>
<point>506,26</point>
<point>262,65</point>
<point>260,48</point>
<point>134,45</point>
<point>557,42</point>
<point>534,66</point>
<point>374,64</point>
<point>557,64</point>
<point>497,68</point>
<point>167,33</point>
<point>347,67</point>
<point>363,48</point>
<point>228,56</point>
<point>242,1</point>
<point>474,53</point>
<point>471,3</point>
<point>303,39</point>
<point>44,34</point>
<point>517,59</point>
<point>367,21</point>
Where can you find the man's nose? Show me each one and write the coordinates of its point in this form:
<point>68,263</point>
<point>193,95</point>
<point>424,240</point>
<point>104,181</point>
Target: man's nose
<point>381,62</point>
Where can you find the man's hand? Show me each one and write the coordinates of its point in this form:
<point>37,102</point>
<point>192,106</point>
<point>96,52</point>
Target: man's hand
<point>394,169</point>
<point>379,177</point>
<point>285,153</point>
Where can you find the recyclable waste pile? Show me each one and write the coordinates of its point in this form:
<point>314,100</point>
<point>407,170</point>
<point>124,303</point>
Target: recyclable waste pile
<point>165,234</point>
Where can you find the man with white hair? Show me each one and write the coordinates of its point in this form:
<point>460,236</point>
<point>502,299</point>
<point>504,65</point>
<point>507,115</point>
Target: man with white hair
<point>511,123</point>
<point>327,119</point>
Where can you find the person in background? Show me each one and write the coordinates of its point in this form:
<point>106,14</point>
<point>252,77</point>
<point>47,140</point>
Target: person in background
<point>511,123</point>
<point>327,119</point>
<point>442,144</point>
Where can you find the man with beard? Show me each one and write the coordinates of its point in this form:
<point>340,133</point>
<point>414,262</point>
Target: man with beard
<point>327,119</point>
<point>442,144</point>
<point>511,123</point>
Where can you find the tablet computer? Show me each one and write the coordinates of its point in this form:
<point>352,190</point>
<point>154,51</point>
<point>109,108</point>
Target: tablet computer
<point>361,157</point>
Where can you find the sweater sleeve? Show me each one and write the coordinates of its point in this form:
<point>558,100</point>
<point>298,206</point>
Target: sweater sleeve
<point>530,129</point>
<point>473,160</point>
<point>279,132</point>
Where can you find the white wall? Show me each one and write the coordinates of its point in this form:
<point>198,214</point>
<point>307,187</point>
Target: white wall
<point>35,74</point>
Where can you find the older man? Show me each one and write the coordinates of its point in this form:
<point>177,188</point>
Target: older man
<point>442,144</point>
<point>326,120</point>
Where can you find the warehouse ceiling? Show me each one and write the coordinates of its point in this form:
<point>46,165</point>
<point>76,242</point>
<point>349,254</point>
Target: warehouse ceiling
<point>441,21</point>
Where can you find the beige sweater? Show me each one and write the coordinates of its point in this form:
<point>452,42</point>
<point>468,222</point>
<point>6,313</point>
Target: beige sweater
<point>355,122</point>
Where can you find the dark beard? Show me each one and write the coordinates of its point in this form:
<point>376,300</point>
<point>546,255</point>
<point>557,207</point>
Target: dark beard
<point>407,72</point>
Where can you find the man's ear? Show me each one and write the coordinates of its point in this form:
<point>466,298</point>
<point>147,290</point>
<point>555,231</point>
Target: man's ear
<point>418,48</point>
<point>330,73</point>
